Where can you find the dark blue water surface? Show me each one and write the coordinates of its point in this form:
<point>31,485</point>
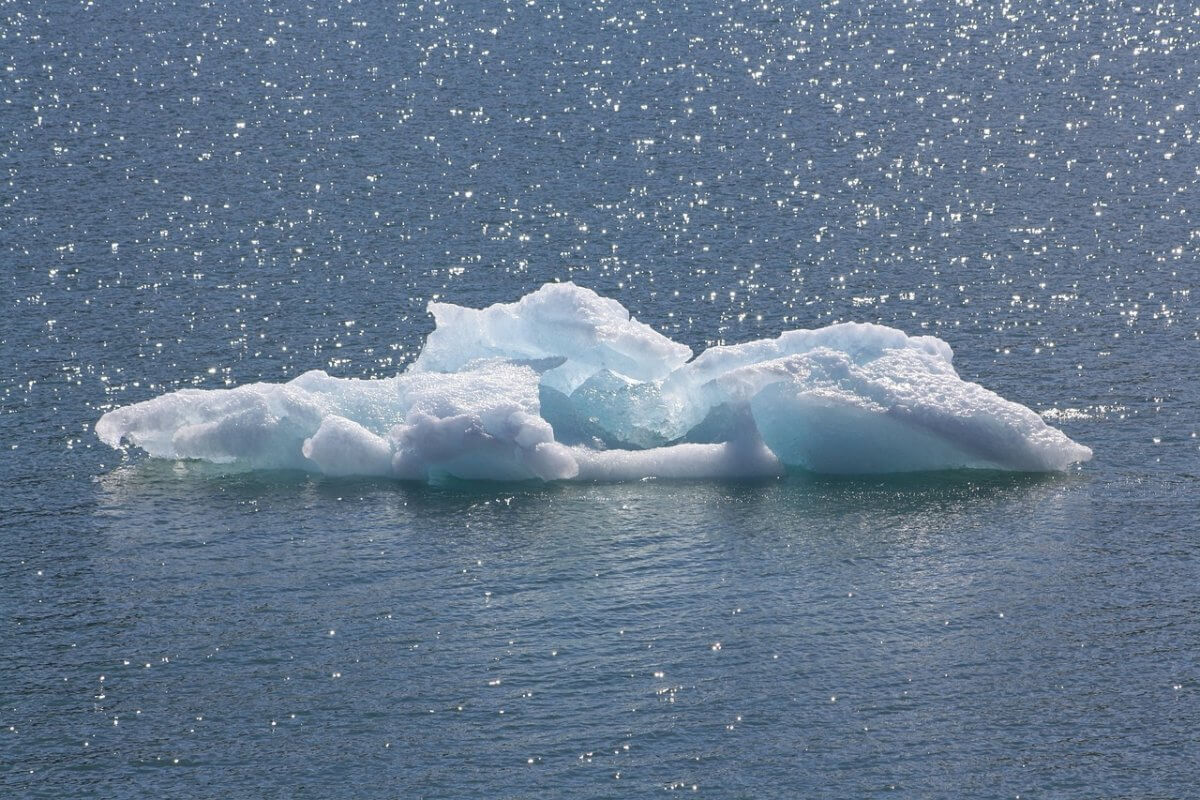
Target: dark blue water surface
<point>216,193</point>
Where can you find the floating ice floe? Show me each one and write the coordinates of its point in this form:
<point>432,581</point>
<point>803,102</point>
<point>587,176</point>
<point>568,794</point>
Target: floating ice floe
<point>564,384</point>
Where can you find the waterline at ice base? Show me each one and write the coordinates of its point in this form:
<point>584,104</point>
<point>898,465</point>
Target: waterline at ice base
<point>564,385</point>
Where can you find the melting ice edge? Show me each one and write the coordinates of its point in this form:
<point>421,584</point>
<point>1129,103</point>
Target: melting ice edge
<point>563,384</point>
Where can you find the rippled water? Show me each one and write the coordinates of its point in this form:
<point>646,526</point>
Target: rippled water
<point>214,194</point>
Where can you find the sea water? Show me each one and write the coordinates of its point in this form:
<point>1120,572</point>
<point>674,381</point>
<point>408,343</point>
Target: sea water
<point>207,197</point>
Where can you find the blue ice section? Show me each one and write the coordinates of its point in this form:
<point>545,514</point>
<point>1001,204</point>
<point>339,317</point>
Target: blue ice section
<point>563,384</point>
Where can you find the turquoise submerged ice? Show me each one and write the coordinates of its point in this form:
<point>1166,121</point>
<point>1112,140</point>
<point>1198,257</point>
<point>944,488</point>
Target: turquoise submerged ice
<point>564,384</point>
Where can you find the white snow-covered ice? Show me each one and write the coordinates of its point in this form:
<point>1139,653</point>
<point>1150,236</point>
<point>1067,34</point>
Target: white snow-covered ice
<point>564,384</point>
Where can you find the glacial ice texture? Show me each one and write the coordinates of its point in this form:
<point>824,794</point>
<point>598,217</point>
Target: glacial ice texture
<point>564,384</point>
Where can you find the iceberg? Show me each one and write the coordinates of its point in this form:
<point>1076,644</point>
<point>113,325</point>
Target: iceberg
<point>565,385</point>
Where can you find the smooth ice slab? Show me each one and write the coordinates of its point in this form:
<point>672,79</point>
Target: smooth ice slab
<point>564,384</point>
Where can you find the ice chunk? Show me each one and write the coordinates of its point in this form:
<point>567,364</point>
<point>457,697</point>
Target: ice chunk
<point>559,320</point>
<point>904,411</point>
<point>696,395</point>
<point>478,423</point>
<point>564,384</point>
<point>343,447</point>
<point>462,446</point>
<point>622,412</point>
<point>261,425</point>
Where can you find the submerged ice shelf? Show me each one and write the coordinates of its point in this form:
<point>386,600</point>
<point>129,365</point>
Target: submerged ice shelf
<point>564,384</point>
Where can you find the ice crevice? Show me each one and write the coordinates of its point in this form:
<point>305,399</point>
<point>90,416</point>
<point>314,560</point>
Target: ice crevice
<point>564,385</point>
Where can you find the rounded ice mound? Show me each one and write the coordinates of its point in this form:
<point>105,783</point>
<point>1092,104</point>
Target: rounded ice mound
<point>564,384</point>
<point>560,322</point>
